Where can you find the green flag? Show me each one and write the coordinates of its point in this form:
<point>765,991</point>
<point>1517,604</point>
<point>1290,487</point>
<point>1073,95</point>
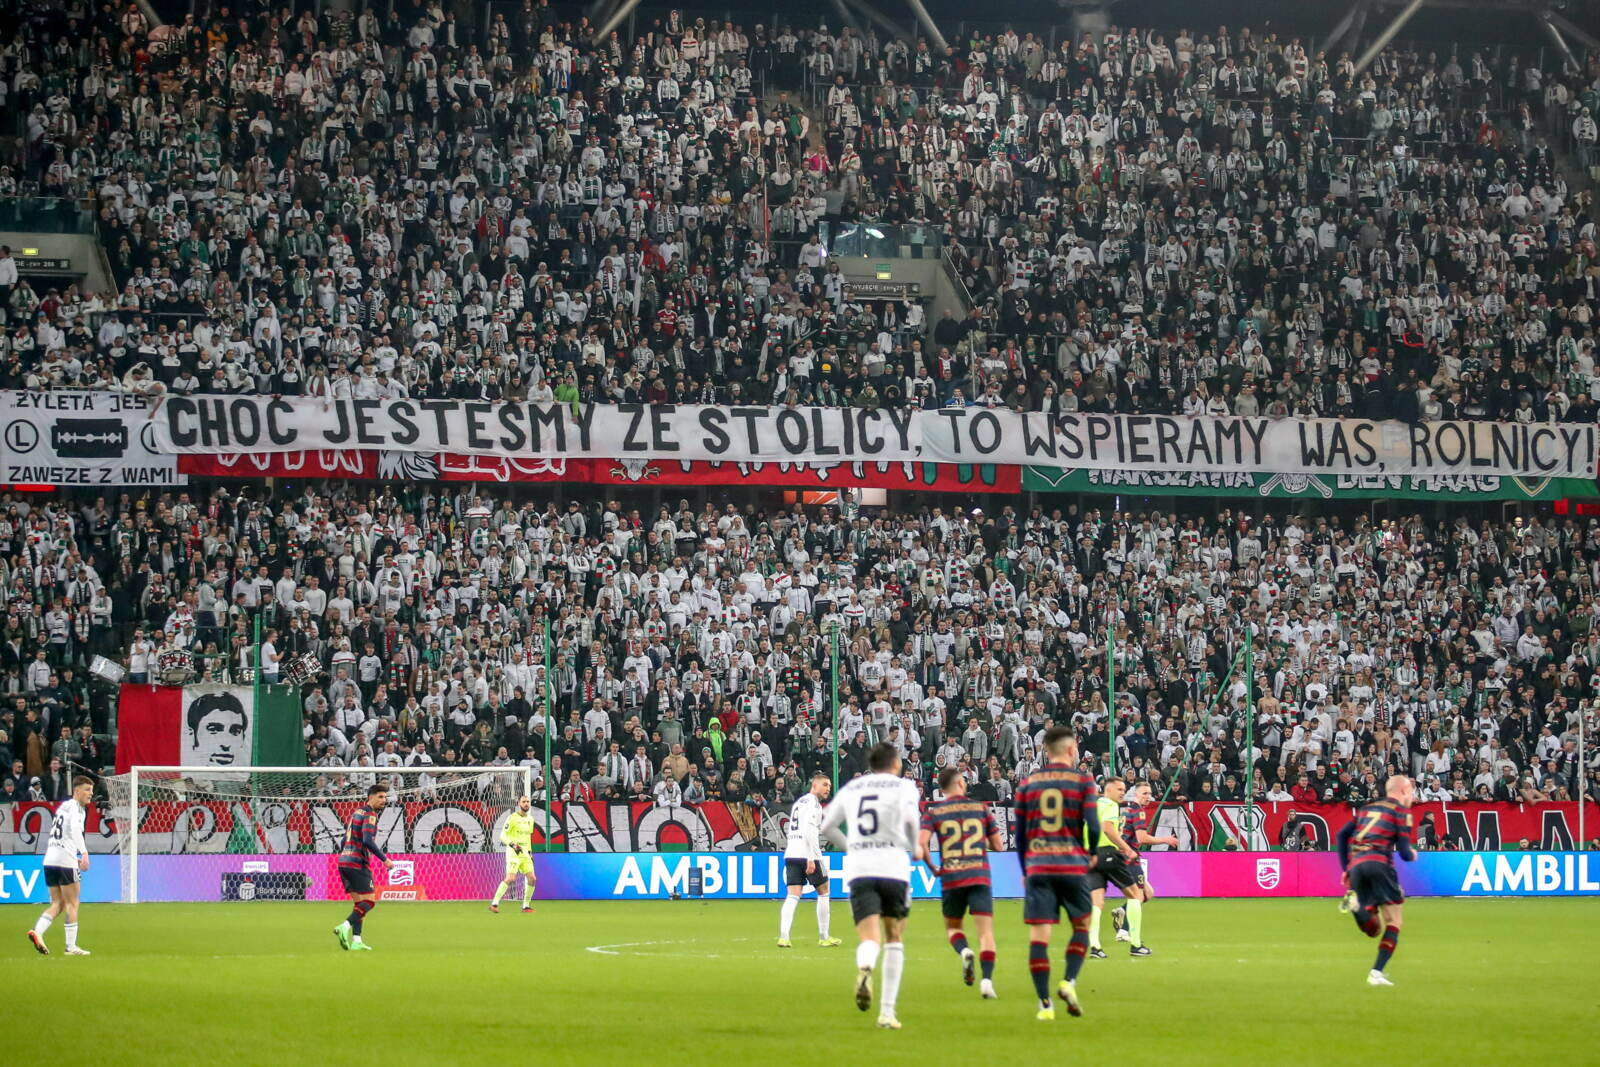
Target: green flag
<point>280,729</point>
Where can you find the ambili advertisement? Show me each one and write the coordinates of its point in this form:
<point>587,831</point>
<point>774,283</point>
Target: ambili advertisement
<point>758,876</point>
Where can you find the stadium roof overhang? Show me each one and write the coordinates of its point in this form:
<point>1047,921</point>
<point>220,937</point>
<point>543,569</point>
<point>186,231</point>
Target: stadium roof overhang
<point>1548,13</point>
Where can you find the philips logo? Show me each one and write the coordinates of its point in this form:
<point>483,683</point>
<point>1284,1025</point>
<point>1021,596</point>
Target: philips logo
<point>1269,872</point>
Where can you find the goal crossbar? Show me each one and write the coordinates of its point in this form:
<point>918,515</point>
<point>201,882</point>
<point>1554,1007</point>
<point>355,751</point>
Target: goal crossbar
<point>127,812</point>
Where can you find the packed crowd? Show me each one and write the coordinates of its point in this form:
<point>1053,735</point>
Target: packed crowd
<point>1194,223</point>
<point>693,652</point>
<point>1148,221</point>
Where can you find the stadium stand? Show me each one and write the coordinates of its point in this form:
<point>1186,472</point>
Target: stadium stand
<point>1177,223</point>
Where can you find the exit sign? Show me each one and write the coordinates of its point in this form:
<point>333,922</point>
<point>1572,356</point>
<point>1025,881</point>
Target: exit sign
<point>883,272</point>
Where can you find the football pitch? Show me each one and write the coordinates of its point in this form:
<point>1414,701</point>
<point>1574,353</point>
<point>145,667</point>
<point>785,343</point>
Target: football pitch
<point>1278,981</point>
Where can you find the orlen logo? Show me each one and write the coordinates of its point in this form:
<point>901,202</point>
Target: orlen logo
<point>404,872</point>
<point>1268,873</point>
<point>391,894</point>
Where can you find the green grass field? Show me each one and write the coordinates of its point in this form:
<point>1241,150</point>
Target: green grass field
<point>1279,982</point>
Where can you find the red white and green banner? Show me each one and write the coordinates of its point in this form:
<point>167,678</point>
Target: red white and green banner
<point>286,825</point>
<point>1470,826</point>
<point>208,726</point>
<point>455,467</point>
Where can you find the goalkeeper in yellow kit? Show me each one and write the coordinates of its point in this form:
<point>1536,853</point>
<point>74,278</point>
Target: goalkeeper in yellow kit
<point>518,839</point>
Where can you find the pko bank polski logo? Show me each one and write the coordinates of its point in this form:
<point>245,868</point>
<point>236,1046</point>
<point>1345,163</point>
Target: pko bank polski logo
<point>404,872</point>
<point>1523,874</point>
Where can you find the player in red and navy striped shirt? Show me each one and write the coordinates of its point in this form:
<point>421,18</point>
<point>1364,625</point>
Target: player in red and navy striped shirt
<point>966,831</point>
<point>1057,834</point>
<point>1366,852</point>
<point>355,871</point>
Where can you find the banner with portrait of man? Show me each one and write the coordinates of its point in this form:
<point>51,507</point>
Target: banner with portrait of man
<point>208,726</point>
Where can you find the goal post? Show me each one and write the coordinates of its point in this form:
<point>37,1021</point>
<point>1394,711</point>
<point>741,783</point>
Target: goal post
<point>274,833</point>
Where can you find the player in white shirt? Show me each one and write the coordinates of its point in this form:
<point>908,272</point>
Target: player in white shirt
<point>803,862</point>
<point>880,813</point>
<point>64,857</point>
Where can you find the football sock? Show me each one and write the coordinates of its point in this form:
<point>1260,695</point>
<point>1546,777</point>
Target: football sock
<point>43,924</point>
<point>986,959</point>
<point>958,941</point>
<point>824,913</point>
<point>527,892</point>
<point>1391,937</point>
<point>1094,927</point>
<point>1136,922</point>
<point>1077,948</point>
<point>1039,968</point>
<point>359,913</point>
<point>499,894</point>
<point>786,916</point>
<point>894,961</point>
<point>1367,921</point>
<point>867,955</point>
<point>72,934</point>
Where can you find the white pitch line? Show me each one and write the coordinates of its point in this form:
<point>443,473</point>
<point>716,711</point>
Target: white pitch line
<point>615,948</point>
<point>609,950</point>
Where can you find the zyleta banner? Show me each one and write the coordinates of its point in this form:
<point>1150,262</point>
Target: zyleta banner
<point>78,437</point>
<point>228,424</point>
<point>1311,486</point>
<point>208,726</point>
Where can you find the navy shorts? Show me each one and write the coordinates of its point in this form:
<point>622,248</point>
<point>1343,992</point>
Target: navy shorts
<point>1376,883</point>
<point>968,899</point>
<point>794,873</point>
<point>879,896</point>
<point>1047,895</point>
<point>60,876</point>
<point>356,879</point>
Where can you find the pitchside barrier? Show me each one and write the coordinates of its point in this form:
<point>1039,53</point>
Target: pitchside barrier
<point>759,876</point>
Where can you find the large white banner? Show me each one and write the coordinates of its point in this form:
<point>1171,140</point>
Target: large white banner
<point>78,437</point>
<point>227,424</point>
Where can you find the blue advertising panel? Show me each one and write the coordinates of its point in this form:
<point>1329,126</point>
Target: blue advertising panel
<point>723,875</point>
<point>1502,874</point>
<point>22,880</point>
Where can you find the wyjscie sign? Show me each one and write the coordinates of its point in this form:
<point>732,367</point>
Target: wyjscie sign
<point>880,290</point>
<point>230,424</point>
<point>59,264</point>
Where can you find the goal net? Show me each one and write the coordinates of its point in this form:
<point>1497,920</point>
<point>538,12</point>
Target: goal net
<point>274,833</point>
